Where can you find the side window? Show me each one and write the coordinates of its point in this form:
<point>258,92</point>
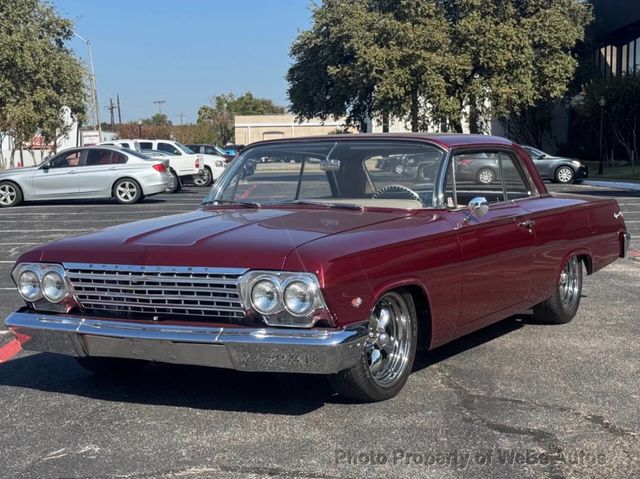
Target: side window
<point>209,151</point>
<point>168,148</point>
<point>105,157</point>
<point>125,145</point>
<point>493,175</point>
<point>515,185</point>
<point>146,145</point>
<point>66,160</point>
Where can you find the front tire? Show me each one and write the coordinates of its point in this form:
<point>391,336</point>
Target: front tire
<point>10,194</point>
<point>486,176</point>
<point>564,175</point>
<point>563,305</point>
<point>205,179</point>
<point>127,191</point>
<point>388,354</point>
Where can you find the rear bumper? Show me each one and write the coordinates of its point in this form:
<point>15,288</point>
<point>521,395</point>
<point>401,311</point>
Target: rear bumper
<point>314,351</point>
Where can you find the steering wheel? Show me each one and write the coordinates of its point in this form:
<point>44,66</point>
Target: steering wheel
<point>388,188</point>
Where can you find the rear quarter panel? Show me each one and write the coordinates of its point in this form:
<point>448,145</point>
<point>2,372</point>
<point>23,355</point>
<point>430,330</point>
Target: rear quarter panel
<point>572,224</point>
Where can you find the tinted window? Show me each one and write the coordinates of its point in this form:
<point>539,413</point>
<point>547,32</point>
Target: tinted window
<point>104,157</point>
<point>125,145</point>
<point>66,160</point>
<point>210,151</point>
<point>146,145</point>
<point>168,148</point>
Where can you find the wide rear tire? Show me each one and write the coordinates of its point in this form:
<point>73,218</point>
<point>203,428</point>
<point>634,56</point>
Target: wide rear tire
<point>389,351</point>
<point>563,305</point>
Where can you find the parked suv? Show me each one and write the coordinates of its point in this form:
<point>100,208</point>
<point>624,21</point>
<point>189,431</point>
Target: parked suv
<point>215,150</point>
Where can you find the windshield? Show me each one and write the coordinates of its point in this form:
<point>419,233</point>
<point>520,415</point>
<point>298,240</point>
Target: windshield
<point>387,173</point>
<point>185,149</point>
<point>220,151</point>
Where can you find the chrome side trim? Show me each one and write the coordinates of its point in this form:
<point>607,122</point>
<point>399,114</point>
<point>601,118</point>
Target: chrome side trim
<point>313,351</point>
<point>626,242</point>
<point>160,269</point>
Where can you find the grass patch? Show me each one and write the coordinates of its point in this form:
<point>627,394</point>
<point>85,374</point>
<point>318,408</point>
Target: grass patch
<point>627,173</point>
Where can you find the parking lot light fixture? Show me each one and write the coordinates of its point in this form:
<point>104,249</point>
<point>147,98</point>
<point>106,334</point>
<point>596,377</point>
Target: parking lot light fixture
<point>94,91</point>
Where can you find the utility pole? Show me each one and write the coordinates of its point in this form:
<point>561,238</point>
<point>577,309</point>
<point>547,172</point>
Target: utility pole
<point>119,112</point>
<point>181,115</point>
<point>94,90</point>
<point>111,107</point>
<point>160,103</point>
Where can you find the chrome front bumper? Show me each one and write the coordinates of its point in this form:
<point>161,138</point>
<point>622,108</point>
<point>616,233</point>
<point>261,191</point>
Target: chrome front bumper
<point>314,351</point>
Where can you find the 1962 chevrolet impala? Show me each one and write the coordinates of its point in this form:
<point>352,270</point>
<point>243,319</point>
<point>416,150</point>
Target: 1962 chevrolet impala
<point>326,265</point>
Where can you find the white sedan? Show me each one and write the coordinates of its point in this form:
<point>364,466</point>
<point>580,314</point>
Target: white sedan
<point>89,172</point>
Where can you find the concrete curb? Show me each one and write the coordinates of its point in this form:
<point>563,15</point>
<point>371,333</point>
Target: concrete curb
<point>620,185</point>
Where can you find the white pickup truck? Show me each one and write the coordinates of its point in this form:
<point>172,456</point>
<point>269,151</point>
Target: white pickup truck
<point>212,166</point>
<point>184,165</point>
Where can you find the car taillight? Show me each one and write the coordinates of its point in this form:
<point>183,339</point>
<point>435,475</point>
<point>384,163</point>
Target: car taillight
<point>197,164</point>
<point>160,167</point>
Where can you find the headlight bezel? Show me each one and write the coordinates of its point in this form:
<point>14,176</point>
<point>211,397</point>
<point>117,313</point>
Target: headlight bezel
<point>41,302</point>
<point>283,315</point>
<point>38,285</point>
<point>65,288</point>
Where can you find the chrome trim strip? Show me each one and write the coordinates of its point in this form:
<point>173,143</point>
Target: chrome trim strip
<point>152,268</point>
<point>313,351</point>
<point>626,243</point>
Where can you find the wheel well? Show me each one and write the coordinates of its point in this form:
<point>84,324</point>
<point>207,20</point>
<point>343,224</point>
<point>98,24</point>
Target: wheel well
<point>588,262</point>
<point>423,313</point>
<point>17,185</point>
<point>113,187</point>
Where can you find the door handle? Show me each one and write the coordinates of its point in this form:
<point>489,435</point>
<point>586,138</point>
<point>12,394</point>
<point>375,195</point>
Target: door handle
<point>528,224</point>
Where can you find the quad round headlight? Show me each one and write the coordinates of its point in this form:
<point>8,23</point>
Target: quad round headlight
<point>29,285</point>
<point>299,298</point>
<point>265,296</point>
<point>54,288</point>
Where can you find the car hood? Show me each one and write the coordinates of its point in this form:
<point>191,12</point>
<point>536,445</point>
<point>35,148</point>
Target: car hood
<point>230,237</point>
<point>14,171</point>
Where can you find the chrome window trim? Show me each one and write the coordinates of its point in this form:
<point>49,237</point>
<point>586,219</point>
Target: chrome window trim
<point>535,193</point>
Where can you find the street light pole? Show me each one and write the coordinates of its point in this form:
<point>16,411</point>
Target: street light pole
<point>602,102</point>
<point>94,90</point>
<point>139,129</point>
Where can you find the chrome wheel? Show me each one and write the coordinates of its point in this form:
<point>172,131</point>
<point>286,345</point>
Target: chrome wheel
<point>486,176</point>
<point>8,194</point>
<point>388,345</point>
<point>564,175</point>
<point>204,179</point>
<point>127,191</point>
<point>569,284</point>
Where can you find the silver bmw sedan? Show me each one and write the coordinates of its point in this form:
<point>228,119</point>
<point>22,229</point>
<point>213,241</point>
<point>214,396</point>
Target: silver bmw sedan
<point>87,172</point>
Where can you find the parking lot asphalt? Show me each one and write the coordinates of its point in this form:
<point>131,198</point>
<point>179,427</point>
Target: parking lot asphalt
<point>516,399</point>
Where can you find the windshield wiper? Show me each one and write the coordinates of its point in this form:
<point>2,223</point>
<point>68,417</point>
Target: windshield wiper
<point>344,206</point>
<point>248,204</point>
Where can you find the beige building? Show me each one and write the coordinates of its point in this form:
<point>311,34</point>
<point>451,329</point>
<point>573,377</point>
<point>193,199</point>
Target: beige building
<point>252,128</point>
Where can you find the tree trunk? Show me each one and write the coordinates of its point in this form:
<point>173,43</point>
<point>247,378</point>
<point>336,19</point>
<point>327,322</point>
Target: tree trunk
<point>385,122</point>
<point>474,119</point>
<point>415,110</point>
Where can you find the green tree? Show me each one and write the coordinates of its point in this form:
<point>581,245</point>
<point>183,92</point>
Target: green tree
<point>159,119</point>
<point>434,60</point>
<point>40,76</point>
<point>221,116</point>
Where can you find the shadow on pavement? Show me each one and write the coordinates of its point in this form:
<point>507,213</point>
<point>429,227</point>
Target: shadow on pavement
<point>208,388</point>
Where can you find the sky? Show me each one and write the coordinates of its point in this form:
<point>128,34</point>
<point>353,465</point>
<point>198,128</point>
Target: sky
<point>185,51</point>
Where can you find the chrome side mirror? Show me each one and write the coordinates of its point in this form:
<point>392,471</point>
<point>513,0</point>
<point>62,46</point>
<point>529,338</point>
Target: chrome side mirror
<point>478,207</point>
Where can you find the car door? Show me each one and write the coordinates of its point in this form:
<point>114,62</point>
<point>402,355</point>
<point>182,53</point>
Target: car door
<point>498,248</point>
<point>98,171</point>
<point>58,177</point>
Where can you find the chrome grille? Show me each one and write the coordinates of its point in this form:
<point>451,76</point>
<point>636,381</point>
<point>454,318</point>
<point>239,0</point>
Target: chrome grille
<point>157,290</point>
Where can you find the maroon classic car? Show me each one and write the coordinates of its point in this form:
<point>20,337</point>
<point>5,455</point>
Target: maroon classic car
<point>326,264</point>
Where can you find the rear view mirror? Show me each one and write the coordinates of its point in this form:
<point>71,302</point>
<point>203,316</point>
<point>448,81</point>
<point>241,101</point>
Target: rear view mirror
<point>330,165</point>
